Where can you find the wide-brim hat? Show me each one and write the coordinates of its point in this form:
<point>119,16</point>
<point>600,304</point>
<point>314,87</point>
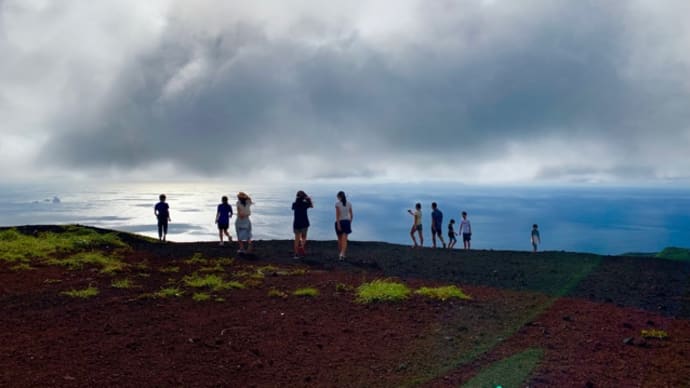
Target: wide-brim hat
<point>242,195</point>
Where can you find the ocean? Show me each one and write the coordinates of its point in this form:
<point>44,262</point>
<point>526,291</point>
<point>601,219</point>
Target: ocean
<point>604,220</point>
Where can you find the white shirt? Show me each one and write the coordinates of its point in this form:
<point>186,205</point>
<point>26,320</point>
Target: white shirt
<point>343,211</point>
<point>243,210</point>
<point>465,227</point>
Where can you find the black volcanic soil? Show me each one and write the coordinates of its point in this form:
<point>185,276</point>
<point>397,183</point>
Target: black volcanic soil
<point>585,311</point>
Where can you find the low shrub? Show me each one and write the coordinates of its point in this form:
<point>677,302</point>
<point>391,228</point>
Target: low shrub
<point>382,290</point>
<point>443,293</point>
<point>85,293</point>
<point>308,291</point>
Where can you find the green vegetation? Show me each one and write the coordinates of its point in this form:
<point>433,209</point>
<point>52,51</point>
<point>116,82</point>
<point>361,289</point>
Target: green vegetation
<point>168,292</point>
<point>169,269</point>
<point>509,372</point>
<point>382,290</point>
<point>212,281</point>
<point>85,293</point>
<point>276,293</point>
<point>307,291</point>
<point>22,267</point>
<point>108,264</point>
<point>197,258</point>
<point>342,287</point>
<point>654,333</point>
<point>673,253</point>
<point>443,293</point>
<point>201,296</point>
<point>122,283</point>
<point>215,268</point>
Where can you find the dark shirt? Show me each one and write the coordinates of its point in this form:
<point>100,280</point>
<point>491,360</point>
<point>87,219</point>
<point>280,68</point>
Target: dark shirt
<point>437,219</point>
<point>162,212</point>
<point>224,213</point>
<point>300,207</point>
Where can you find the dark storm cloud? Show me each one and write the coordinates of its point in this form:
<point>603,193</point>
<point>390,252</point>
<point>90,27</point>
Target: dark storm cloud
<point>472,83</point>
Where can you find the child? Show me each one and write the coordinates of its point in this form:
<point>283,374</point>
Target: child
<point>300,223</point>
<point>417,225</point>
<point>162,212</point>
<point>223,215</point>
<point>536,239</point>
<point>451,234</point>
<point>466,230</point>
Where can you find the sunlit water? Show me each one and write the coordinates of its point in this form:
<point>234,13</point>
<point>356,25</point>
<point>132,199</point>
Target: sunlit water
<point>600,220</point>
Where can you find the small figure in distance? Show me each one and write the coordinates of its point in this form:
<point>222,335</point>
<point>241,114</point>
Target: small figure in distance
<point>466,230</point>
<point>451,234</point>
<point>243,225</point>
<point>223,215</point>
<point>536,238</point>
<point>162,212</point>
<point>343,223</point>
<point>436,225</point>
<point>417,225</point>
<point>300,223</point>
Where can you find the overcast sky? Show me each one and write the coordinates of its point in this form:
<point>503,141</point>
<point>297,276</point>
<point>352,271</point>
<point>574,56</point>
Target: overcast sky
<point>472,91</point>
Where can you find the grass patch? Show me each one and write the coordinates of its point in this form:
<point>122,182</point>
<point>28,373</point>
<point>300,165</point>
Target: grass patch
<point>215,268</point>
<point>381,290</point>
<point>122,283</point>
<point>674,253</point>
<point>201,297</point>
<point>169,269</point>
<point>196,258</point>
<point>276,293</point>
<point>211,281</point>
<point>168,292</point>
<point>108,264</point>
<point>22,267</point>
<point>443,293</point>
<point>85,293</point>
<point>307,291</point>
<point>654,333</point>
<point>509,372</point>
<point>19,247</point>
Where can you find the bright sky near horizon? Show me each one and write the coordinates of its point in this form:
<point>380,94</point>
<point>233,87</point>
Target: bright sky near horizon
<point>466,90</point>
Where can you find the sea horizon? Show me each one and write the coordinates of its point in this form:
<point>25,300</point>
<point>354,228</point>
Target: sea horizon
<point>601,220</point>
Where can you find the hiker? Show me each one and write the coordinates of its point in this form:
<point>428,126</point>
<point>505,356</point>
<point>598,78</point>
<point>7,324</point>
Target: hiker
<point>243,225</point>
<point>162,212</point>
<point>223,215</point>
<point>417,225</point>
<point>343,223</point>
<point>300,223</point>
<point>466,230</point>
<point>535,238</point>
<point>451,234</point>
<point>436,225</point>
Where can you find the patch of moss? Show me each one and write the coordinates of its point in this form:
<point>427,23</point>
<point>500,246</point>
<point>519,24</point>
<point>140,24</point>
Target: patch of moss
<point>211,281</point>
<point>168,292</point>
<point>169,269</point>
<point>201,297</point>
<point>85,293</point>
<point>276,293</point>
<point>108,264</point>
<point>307,291</point>
<point>654,333</point>
<point>382,290</point>
<point>443,293</point>
<point>122,283</point>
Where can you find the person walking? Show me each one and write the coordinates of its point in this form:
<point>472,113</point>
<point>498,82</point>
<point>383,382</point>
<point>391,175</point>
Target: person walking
<point>466,230</point>
<point>243,224</point>
<point>300,223</point>
<point>162,212</point>
<point>417,225</point>
<point>451,234</point>
<point>223,215</point>
<point>436,225</point>
<point>343,223</point>
<point>535,238</point>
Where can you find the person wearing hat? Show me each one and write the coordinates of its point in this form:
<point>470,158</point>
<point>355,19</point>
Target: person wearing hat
<point>243,225</point>
<point>300,224</point>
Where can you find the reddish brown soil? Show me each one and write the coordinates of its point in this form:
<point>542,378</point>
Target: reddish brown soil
<point>123,338</point>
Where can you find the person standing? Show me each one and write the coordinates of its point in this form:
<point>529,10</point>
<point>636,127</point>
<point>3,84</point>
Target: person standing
<point>536,238</point>
<point>436,225</point>
<point>451,234</point>
<point>300,223</point>
<point>343,223</point>
<point>417,225</point>
<point>162,212</point>
<point>223,215</point>
<point>466,230</point>
<point>243,225</point>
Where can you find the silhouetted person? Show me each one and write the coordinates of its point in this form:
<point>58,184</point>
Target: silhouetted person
<point>223,215</point>
<point>300,223</point>
<point>243,225</point>
<point>162,212</point>
<point>536,238</point>
<point>343,223</point>
<point>416,225</point>
<point>466,230</point>
<point>436,225</point>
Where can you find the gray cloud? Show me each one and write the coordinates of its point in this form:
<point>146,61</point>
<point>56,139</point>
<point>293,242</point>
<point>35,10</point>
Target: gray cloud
<point>461,89</point>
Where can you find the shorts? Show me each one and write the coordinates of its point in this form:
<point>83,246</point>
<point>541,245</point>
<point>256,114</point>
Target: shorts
<point>243,229</point>
<point>417,228</point>
<point>300,230</point>
<point>345,227</point>
<point>451,236</point>
<point>223,226</point>
<point>466,236</point>
<point>435,229</point>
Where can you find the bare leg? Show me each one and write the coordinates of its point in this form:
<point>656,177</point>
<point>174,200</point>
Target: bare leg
<point>414,239</point>
<point>421,238</point>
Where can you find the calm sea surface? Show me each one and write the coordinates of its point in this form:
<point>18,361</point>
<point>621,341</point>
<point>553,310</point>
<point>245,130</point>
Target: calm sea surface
<point>599,220</point>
